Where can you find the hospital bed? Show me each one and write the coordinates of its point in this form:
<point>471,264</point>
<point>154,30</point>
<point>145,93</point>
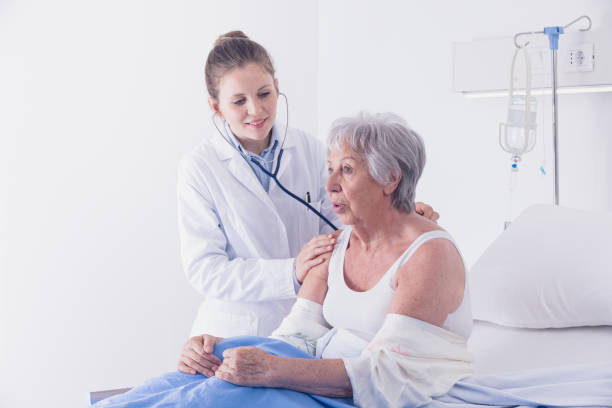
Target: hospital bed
<point>541,295</point>
<point>498,349</point>
<point>542,292</point>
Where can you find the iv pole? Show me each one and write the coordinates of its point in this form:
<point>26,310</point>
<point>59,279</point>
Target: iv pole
<point>553,40</point>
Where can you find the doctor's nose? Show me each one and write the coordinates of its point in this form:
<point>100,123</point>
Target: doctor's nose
<point>254,108</point>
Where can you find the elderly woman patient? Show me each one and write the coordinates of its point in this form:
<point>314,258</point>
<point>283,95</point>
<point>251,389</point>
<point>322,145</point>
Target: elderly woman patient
<point>388,313</point>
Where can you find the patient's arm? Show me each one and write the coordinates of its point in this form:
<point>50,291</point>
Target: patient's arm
<point>430,286</point>
<point>254,367</point>
<point>323,377</point>
<point>305,323</point>
<point>314,287</point>
<point>251,366</point>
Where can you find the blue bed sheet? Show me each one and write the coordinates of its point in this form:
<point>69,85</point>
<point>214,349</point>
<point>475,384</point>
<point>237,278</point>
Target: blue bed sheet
<point>587,386</point>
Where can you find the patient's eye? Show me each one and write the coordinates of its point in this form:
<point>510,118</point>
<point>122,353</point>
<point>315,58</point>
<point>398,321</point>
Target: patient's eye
<point>347,169</point>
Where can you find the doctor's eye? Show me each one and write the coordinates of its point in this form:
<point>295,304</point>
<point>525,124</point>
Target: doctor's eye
<point>264,94</point>
<point>240,101</point>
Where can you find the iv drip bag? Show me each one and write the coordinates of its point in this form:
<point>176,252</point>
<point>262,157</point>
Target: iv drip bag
<point>518,135</point>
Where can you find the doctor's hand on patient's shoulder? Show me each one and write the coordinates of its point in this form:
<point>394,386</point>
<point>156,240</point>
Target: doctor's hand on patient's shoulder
<point>196,356</point>
<point>315,286</point>
<point>310,255</point>
<point>320,271</point>
<point>426,211</point>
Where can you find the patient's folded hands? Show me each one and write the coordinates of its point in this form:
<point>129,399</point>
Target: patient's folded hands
<point>249,366</point>
<point>196,355</point>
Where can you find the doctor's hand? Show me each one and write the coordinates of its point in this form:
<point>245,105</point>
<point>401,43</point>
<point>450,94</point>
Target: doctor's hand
<point>321,270</point>
<point>310,255</point>
<point>196,356</point>
<point>426,211</point>
<point>248,366</point>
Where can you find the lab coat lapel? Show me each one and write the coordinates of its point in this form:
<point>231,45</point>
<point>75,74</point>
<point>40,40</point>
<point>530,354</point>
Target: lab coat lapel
<point>287,156</point>
<point>241,170</point>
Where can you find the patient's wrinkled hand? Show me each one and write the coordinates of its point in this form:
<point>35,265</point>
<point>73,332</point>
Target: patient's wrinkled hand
<point>248,366</point>
<point>196,355</point>
<point>426,211</point>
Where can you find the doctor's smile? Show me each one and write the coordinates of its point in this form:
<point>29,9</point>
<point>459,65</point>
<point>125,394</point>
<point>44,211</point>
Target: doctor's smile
<point>257,124</point>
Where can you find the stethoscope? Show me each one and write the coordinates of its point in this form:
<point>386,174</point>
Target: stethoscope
<point>273,175</point>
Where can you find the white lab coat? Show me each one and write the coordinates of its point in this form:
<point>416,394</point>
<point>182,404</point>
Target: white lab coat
<point>238,242</point>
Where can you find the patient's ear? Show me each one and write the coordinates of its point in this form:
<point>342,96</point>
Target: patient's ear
<point>390,187</point>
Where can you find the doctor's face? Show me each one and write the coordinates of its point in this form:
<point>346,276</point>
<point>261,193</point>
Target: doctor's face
<point>356,197</point>
<point>247,101</point>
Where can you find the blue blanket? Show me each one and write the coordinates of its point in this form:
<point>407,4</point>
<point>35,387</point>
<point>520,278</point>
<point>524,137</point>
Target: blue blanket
<point>176,389</point>
<point>588,386</point>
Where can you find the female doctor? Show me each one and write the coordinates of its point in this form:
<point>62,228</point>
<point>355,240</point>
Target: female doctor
<point>246,246</point>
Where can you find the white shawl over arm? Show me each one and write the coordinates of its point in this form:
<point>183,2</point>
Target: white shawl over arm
<point>408,362</point>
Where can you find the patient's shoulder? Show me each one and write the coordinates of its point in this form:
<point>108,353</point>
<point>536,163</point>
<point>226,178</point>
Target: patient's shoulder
<point>431,284</point>
<point>436,256</point>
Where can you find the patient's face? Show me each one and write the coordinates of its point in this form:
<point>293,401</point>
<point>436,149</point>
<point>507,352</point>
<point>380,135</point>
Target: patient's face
<point>356,197</point>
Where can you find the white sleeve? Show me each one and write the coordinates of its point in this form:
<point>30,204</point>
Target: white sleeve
<point>408,362</point>
<point>206,262</point>
<point>303,326</point>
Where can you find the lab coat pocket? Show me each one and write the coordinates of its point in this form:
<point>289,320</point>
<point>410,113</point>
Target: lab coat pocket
<point>215,319</point>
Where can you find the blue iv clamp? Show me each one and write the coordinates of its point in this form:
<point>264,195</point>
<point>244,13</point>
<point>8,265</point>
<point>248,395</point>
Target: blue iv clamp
<point>553,36</point>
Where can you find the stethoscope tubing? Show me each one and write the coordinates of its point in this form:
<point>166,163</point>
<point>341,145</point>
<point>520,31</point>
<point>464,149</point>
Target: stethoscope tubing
<point>289,193</point>
<point>278,161</point>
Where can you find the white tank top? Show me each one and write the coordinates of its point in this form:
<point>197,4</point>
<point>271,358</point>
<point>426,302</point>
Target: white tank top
<point>363,313</point>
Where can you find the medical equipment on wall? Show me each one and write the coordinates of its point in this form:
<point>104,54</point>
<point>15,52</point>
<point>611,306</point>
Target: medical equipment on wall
<point>517,136</point>
<point>273,175</point>
<point>553,41</point>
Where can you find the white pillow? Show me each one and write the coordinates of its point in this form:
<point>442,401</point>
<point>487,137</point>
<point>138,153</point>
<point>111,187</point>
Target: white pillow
<point>551,268</point>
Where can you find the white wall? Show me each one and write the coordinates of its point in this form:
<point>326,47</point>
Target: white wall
<point>98,101</point>
<point>397,56</point>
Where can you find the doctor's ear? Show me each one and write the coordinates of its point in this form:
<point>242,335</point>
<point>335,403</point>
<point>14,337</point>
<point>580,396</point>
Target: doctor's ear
<point>214,105</point>
<point>276,85</point>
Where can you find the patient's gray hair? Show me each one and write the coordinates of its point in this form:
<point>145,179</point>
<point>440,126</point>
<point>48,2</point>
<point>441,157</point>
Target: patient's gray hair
<point>389,147</point>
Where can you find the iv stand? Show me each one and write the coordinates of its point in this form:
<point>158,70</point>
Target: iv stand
<point>553,39</point>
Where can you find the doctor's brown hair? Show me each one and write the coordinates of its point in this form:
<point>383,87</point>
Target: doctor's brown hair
<point>233,50</point>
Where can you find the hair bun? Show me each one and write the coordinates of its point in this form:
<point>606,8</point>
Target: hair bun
<point>231,34</point>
